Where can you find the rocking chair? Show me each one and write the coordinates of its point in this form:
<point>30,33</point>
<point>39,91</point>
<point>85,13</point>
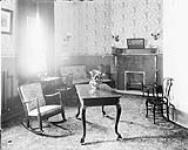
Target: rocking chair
<point>35,106</point>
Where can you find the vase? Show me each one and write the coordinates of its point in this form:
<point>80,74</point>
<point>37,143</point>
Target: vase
<point>94,84</point>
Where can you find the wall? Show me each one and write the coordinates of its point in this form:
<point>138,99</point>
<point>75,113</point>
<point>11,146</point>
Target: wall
<point>137,19</point>
<point>82,33</point>
<point>8,62</point>
<point>175,55</point>
<point>14,46</point>
<point>86,28</point>
<point>8,43</point>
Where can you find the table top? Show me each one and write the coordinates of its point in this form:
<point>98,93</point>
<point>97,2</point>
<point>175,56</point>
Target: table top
<point>85,91</point>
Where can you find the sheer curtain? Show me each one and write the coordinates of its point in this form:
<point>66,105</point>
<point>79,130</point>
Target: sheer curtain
<point>34,55</point>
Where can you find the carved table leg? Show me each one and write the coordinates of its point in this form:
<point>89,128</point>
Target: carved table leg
<point>83,111</point>
<point>78,112</point>
<point>118,107</point>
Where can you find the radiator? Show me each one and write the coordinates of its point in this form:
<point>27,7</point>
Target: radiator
<point>7,89</point>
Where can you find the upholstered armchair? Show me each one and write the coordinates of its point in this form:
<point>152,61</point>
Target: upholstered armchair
<point>35,106</point>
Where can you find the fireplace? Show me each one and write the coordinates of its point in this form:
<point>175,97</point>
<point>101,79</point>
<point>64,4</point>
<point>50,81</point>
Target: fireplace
<point>134,79</point>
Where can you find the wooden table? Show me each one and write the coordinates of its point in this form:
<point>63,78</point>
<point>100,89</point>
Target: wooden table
<point>96,97</point>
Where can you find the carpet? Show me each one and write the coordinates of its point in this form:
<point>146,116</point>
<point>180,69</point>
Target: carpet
<point>139,132</point>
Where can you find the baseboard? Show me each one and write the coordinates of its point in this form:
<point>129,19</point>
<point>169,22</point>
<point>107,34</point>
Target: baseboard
<point>179,117</point>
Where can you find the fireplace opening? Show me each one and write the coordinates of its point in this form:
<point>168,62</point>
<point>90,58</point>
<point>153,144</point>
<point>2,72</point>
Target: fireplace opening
<point>134,79</point>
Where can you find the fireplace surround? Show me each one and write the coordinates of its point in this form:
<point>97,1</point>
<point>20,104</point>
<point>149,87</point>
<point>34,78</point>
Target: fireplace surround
<point>133,80</point>
<point>136,66</point>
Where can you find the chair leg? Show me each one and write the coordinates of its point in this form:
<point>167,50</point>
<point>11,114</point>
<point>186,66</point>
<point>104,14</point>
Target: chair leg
<point>167,112</point>
<point>162,110</point>
<point>63,115</point>
<point>154,113</point>
<point>27,122</point>
<point>62,108</point>
<point>40,123</point>
<point>146,108</point>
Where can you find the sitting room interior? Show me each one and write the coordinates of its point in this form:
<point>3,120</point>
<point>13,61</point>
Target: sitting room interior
<point>94,74</point>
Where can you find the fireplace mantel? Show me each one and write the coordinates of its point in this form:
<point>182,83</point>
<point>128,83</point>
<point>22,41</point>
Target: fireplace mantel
<point>137,54</point>
<point>126,51</point>
<point>135,60</point>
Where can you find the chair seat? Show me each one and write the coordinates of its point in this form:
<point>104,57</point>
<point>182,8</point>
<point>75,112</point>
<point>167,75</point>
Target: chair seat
<point>46,110</point>
<point>145,93</point>
<point>154,100</point>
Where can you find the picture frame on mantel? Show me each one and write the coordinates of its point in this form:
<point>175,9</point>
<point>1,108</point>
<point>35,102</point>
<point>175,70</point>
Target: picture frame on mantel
<point>6,21</point>
<point>136,43</point>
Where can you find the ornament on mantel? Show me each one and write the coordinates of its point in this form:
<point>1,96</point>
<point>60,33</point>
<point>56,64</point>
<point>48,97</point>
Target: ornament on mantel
<point>155,36</point>
<point>116,38</point>
<point>117,42</point>
<point>155,43</point>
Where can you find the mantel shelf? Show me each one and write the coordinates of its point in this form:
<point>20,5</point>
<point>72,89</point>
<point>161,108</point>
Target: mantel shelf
<point>124,54</point>
<point>126,51</point>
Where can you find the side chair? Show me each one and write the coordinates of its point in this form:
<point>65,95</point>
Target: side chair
<point>157,99</point>
<point>35,105</point>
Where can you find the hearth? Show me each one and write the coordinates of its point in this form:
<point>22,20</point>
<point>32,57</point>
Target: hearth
<point>133,80</point>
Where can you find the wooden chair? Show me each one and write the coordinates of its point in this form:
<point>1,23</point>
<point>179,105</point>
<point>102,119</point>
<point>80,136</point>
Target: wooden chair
<point>148,89</point>
<point>159,100</point>
<point>35,106</point>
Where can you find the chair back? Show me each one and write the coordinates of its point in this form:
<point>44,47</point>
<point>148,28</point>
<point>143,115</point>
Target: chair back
<point>158,90</point>
<point>29,93</point>
<point>167,84</point>
<point>163,90</point>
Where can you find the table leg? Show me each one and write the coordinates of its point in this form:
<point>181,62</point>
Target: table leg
<point>83,111</point>
<point>79,106</point>
<point>103,112</point>
<point>78,113</point>
<point>118,107</point>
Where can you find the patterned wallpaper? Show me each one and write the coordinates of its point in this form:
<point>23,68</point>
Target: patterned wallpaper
<point>137,19</point>
<point>86,28</point>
